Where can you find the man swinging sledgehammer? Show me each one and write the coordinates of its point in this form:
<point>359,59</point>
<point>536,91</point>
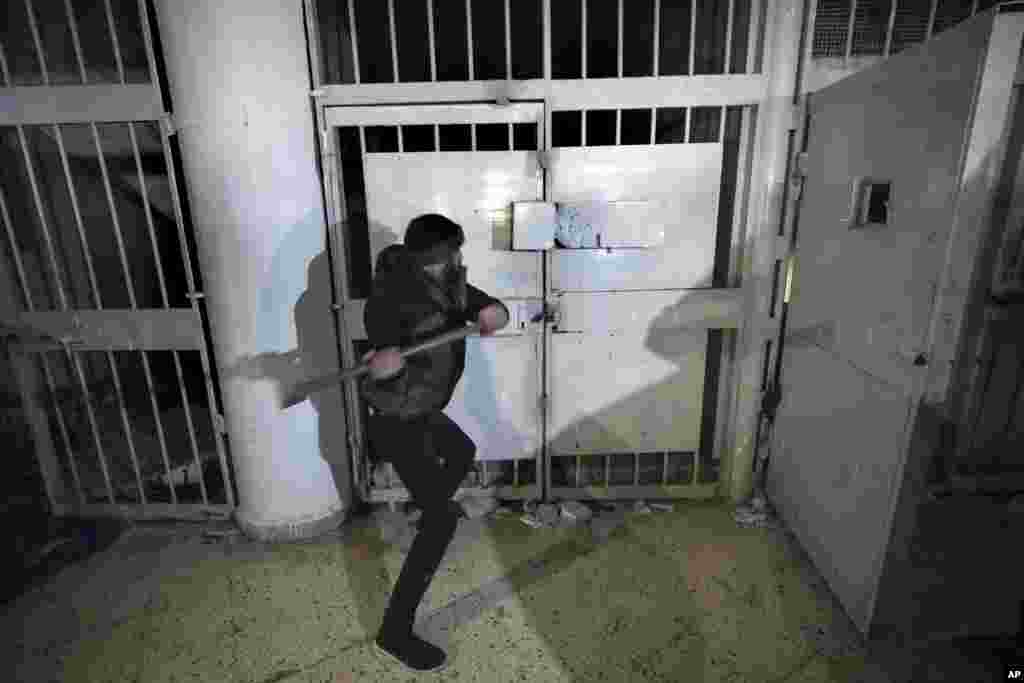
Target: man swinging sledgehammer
<point>420,291</point>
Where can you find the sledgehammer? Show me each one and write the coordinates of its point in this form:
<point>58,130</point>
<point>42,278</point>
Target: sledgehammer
<point>303,389</point>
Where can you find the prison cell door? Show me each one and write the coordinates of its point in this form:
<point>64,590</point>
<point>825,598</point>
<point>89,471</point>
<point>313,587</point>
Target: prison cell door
<point>901,166</point>
<point>100,296</point>
<point>469,162</point>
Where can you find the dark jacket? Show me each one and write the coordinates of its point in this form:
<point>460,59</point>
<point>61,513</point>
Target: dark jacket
<point>405,308</point>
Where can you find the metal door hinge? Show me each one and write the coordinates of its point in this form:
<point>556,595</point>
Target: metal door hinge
<point>167,124</point>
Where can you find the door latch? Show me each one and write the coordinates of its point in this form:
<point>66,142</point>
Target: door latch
<point>548,314</point>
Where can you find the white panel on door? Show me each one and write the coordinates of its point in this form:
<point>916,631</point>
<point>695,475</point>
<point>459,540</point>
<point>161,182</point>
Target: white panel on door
<point>680,181</point>
<point>496,403</point>
<point>469,188</point>
<point>614,394</point>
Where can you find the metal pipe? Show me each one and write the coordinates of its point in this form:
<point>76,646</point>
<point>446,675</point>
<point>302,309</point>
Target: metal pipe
<point>654,125</point>
<point>728,36</point>
<point>131,297</point>
<point>849,28</point>
<point>76,41</point>
<point>508,43</point>
<point>3,68</point>
<point>430,41</point>
<point>547,39</point>
<point>888,31</point>
<point>693,35</point>
<point>352,39</point>
<point>37,41</point>
<point>618,127</point>
<point>636,469</point>
<point>664,468</point>
<point>166,304</point>
<point>931,19</point>
<point>619,47</point>
<point>657,36</point>
<point>583,42</point>
<point>91,414</point>
<point>40,210</point>
<point>469,40</point>
<point>117,44</point>
<point>394,40</point>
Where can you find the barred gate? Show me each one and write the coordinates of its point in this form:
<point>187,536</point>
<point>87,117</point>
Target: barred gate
<point>102,307</point>
<point>683,71</point>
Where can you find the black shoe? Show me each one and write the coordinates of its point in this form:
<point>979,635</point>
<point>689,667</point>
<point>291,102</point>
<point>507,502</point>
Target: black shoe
<point>413,653</point>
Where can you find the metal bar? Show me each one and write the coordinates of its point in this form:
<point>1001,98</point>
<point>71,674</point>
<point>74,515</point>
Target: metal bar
<point>91,414</point>
<point>76,211</point>
<point>511,138</point>
<point>194,299</point>
<point>117,45</point>
<point>37,41</point>
<point>974,7</point>
<point>126,271</point>
<point>40,210</point>
<point>754,44</point>
<point>469,38</point>
<point>664,468</point>
<point>15,251</point>
<point>636,469</point>
<point>3,68</point>
<point>607,470</point>
<point>62,425</point>
<point>147,39</point>
<point>79,104</point>
<point>583,42</point>
<point>579,469</point>
<point>472,137</point>
<point>728,36</point>
<point>362,139</point>
<point>437,137</point>
<point>401,140</point>
<point>547,39</point>
<point>394,38</point>
<point>696,468</point>
<point>508,42</point>
<point>186,512</point>
<point>888,31</point>
<point>166,304</point>
<point>515,472</point>
<point>620,46</point>
<point>583,127</point>
<point>73,24</point>
<point>126,423</point>
<point>353,41</point>
<point>657,36</point>
<point>618,127</point>
<point>430,41</point>
<point>849,28</point>
<point>693,34</point>
<point>931,19</point>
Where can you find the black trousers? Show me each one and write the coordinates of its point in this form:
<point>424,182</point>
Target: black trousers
<point>432,456</point>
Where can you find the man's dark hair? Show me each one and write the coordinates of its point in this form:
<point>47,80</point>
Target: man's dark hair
<point>432,238</point>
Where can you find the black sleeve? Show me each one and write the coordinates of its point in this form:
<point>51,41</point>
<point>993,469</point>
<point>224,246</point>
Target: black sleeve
<point>384,329</point>
<point>477,300</point>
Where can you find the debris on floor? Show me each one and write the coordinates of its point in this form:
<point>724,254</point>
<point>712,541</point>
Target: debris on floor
<point>662,507</point>
<point>641,508</point>
<point>755,514</point>
<point>478,506</point>
<point>575,511</point>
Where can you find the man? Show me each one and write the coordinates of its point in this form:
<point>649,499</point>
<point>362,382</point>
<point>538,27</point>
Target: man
<point>420,291</point>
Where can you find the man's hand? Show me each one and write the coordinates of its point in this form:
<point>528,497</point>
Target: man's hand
<point>492,319</point>
<point>384,363</point>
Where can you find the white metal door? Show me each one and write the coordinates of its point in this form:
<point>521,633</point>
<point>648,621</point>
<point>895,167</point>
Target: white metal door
<point>496,402</point>
<point>626,395</point>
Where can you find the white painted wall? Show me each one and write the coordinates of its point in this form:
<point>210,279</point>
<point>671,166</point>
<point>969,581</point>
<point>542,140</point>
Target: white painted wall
<point>240,88</point>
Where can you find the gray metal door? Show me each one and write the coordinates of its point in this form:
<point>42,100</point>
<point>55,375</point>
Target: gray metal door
<point>900,171</point>
<point>101,303</point>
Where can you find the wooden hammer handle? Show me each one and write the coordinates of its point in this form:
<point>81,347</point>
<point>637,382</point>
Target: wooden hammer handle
<point>302,390</point>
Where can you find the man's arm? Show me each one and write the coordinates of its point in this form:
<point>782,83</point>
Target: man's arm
<point>478,301</point>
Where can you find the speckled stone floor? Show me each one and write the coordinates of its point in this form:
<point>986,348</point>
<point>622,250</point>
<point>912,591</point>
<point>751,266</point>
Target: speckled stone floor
<point>671,596</point>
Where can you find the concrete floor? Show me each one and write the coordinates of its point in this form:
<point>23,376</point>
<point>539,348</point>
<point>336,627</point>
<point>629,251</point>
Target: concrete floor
<point>669,596</point>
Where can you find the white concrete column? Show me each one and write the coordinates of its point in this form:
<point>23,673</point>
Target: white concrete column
<point>783,22</point>
<point>240,91</point>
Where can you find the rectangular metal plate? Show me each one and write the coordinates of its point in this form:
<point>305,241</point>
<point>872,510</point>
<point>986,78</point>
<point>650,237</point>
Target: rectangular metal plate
<point>79,104</point>
<point>144,330</point>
